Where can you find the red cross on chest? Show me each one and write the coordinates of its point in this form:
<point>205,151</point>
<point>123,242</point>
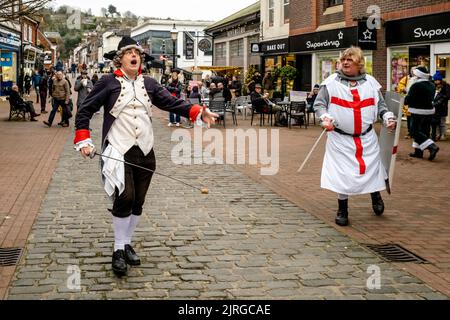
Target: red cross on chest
<point>357,104</point>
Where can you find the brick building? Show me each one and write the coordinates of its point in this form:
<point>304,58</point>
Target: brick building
<point>410,33</point>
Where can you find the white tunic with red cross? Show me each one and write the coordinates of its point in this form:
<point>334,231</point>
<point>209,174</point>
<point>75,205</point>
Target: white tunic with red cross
<point>352,165</point>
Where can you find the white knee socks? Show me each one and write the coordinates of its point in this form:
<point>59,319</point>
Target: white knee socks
<point>134,220</point>
<point>123,230</point>
<point>120,232</point>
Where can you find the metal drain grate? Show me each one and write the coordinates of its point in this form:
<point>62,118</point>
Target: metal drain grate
<point>10,256</point>
<point>395,253</point>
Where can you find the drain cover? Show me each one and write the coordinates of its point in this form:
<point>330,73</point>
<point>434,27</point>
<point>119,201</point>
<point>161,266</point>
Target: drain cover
<point>395,253</point>
<point>10,256</point>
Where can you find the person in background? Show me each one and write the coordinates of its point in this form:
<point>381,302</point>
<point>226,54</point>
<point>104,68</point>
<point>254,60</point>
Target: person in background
<point>311,98</point>
<point>17,100</point>
<point>61,95</point>
<point>83,86</point>
<point>420,103</point>
<point>27,83</point>
<point>35,81</point>
<point>94,78</point>
<point>440,104</point>
<point>43,89</point>
<point>175,87</point>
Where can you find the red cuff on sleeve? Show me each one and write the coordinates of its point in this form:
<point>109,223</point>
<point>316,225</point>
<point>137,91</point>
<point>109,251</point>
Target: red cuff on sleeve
<point>81,135</point>
<point>193,113</point>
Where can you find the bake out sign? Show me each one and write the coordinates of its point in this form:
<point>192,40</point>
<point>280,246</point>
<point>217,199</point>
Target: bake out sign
<point>276,47</point>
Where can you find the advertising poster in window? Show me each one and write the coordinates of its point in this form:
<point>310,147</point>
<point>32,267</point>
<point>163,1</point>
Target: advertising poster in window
<point>399,67</point>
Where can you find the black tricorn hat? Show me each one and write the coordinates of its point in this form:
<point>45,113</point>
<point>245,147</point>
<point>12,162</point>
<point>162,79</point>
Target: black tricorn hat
<point>125,44</point>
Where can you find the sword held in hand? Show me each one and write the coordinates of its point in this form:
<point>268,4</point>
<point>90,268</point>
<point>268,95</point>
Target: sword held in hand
<point>312,150</point>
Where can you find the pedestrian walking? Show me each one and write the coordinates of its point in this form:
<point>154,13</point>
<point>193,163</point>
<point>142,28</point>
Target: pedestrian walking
<point>175,87</point>
<point>83,85</point>
<point>43,89</point>
<point>420,103</point>
<point>348,103</point>
<point>127,97</point>
<point>35,81</point>
<point>61,96</point>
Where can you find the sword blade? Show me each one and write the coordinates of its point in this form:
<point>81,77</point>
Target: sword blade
<point>311,151</point>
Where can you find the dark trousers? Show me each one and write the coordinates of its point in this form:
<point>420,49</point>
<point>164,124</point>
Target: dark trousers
<point>43,95</point>
<point>56,104</point>
<point>137,182</point>
<point>420,127</point>
<point>29,107</point>
<point>175,118</point>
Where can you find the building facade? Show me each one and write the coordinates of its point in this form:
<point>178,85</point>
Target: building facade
<point>233,37</point>
<point>394,35</point>
<point>30,45</point>
<point>155,36</point>
<point>10,55</point>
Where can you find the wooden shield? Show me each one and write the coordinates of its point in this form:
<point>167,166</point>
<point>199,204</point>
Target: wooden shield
<point>389,140</point>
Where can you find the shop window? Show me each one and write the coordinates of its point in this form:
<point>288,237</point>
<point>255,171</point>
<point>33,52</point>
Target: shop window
<point>220,50</point>
<point>286,10</point>
<point>237,48</point>
<point>326,65</point>
<point>443,66</point>
<point>332,3</point>
<point>399,66</point>
<point>271,12</point>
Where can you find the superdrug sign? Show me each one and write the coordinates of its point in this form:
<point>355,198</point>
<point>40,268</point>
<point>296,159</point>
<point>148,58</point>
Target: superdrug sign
<point>431,28</point>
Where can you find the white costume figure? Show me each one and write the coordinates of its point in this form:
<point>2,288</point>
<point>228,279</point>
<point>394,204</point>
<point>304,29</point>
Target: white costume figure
<point>348,104</point>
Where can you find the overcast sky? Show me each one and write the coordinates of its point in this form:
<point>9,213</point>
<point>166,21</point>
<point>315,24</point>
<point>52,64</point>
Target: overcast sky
<point>211,10</point>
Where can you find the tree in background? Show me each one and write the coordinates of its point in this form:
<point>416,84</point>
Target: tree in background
<point>11,10</point>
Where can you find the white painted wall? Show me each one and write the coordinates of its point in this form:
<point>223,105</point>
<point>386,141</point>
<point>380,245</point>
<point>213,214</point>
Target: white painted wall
<point>279,29</point>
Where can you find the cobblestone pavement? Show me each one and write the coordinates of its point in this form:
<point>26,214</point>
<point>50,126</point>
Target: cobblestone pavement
<point>241,241</point>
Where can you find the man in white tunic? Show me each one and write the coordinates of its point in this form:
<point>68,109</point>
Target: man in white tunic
<point>348,104</point>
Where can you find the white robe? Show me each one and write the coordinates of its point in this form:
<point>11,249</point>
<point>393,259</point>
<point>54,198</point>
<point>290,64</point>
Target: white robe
<point>352,165</point>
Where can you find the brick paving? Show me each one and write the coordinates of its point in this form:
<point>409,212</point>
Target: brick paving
<point>29,153</point>
<point>241,241</point>
<point>416,215</point>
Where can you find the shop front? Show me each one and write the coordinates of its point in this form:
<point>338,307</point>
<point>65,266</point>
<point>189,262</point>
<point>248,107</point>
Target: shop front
<point>423,40</point>
<point>9,54</point>
<point>275,55</point>
<point>317,54</point>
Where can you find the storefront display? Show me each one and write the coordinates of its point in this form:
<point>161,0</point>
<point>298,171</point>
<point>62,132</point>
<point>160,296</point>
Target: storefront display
<point>9,49</point>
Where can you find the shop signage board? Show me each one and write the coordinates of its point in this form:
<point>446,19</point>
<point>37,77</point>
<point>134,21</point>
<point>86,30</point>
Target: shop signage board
<point>324,40</point>
<point>278,46</point>
<point>430,28</point>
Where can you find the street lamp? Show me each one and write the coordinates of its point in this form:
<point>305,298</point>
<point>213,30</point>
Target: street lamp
<point>174,36</point>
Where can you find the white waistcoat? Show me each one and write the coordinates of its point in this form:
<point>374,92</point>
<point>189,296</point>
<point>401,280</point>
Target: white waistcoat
<point>132,111</point>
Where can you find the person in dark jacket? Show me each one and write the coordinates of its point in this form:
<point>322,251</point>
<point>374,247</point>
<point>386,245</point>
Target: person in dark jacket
<point>420,104</point>
<point>440,103</point>
<point>17,100</point>
<point>195,94</point>
<point>43,89</point>
<point>127,98</point>
<point>175,87</point>
<point>27,83</point>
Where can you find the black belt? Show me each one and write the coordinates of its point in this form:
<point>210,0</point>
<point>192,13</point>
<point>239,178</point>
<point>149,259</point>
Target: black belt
<point>353,135</point>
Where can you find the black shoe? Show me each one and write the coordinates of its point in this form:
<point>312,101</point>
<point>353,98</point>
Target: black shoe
<point>36,115</point>
<point>131,257</point>
<point>33,119</point>
<point>342,214</point>
<point>377,203</point>
<point>433,151</point>
<point>417,153</point>
<point>119,265</point>
<point>47,124</point>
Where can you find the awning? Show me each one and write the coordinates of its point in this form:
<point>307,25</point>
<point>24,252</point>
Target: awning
<point>218,68</point>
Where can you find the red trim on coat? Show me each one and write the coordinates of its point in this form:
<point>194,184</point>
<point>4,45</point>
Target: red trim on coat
<point>81,135</point>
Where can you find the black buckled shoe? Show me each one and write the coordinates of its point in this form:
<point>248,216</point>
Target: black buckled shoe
<point>377,203</point>
<point>433,151</point>
<point>342,214</point>
<point>417,153</point>
<point>131,257</point>
<point>119,265</point>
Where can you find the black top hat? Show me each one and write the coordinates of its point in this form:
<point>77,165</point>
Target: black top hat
<point>125,44</point>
